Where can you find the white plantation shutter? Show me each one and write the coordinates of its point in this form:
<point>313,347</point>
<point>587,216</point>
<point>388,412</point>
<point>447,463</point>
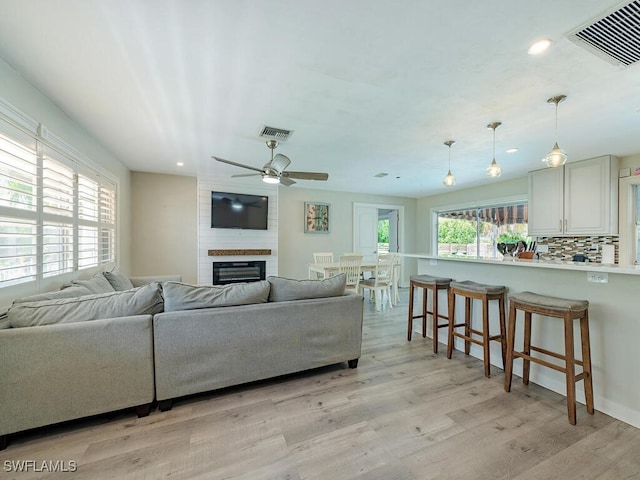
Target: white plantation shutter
<point>88,253</point>
<point>18,207</point>
<point>107,213</point>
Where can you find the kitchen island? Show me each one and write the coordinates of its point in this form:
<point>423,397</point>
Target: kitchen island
<point>613,293</point>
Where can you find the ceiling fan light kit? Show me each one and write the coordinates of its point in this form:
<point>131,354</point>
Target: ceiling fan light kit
<point>494,170</point>
<point>449,180</point>
<point>557,156</point>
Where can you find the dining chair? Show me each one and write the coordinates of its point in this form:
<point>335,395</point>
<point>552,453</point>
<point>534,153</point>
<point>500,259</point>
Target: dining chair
<point>322,257</point>
<point>351,266</point>
<point>381,280</point>
<point>395,277</point>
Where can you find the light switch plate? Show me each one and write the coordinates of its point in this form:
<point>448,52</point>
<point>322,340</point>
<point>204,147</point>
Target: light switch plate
<point>542,248</point>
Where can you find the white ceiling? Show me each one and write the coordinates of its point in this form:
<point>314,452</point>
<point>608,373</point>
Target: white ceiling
<point>368,86</point>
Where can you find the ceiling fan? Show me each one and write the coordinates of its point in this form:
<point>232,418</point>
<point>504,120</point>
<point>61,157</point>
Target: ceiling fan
<point>274,170</point>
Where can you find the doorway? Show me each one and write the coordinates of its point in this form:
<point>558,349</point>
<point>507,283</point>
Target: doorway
<point>377,228</point>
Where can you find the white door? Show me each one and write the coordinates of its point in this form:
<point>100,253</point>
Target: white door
<point>365,231</point>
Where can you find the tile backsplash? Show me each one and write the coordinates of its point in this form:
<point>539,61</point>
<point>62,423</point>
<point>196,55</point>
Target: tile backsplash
<point>564,248</point>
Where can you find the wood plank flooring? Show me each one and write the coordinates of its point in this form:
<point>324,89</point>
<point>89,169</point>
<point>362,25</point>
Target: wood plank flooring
<point>403,414</point>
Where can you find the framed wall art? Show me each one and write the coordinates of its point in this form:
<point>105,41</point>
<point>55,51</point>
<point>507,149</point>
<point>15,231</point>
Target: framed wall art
<point>316,217</point>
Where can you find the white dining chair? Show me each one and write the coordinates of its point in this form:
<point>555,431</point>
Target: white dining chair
<point>351,266</point>
<point>322,257</point>
<point>381,281</point>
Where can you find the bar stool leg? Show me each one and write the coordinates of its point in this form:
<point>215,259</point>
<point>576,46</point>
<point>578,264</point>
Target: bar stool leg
<point>485,337</point>
<point>452,308</point>
<point>586,362</point>
<point>467,324</point>
<point>511,334</point>
<point>434,317</point>
<point>503,331</point>
<point>410,321</point>
<point>526,364</point>
<point>424,312</point>
<point>570,368</point>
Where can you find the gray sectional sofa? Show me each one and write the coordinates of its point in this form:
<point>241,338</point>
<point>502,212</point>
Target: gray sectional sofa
<point>111,343</point>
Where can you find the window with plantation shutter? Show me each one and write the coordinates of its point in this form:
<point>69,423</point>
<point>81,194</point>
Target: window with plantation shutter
<point>58,214</point>
<point>18,208</point>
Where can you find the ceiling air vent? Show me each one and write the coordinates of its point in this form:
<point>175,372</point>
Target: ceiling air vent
<point>616,37</point>
<point>273,133</point>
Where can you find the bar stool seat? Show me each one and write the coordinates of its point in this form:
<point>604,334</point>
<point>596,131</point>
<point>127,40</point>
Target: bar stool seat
<point>433,284</point>
<point>555,307</point>
<point>478,291</point>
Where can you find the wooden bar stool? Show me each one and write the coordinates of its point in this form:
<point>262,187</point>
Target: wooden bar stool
<point>568,310</point>
<point>433,284</point>
<point>473,290</point>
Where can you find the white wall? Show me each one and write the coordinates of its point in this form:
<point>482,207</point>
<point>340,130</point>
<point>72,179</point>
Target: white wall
<point>230,239</point>
<point>296,248</point>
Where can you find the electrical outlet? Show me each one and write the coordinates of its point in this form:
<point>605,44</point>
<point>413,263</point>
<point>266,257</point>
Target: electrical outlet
<point>542,248</point>
<point>598,277</point>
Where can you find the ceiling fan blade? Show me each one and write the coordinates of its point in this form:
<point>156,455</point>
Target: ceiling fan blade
<point>286,181</point>
<point>245,175</point>
<point>306,175</point>
<point>235,164</point>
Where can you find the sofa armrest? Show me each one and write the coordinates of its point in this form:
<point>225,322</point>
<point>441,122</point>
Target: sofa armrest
<point>139,281</point>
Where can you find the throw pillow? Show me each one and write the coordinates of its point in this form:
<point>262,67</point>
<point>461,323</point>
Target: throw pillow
<point>138,301</point>
<point>118,281</point>
<point>96,284</point>
<point>69,292</point>
<point>283,289</point>
<point>182,296</point>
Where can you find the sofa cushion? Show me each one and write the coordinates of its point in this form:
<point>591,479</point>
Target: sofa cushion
<point>283,289</point>
<point>183,296</point>
<point>96,284</point>
<point>138,301</point>
<point>118,281</point>
<point>69,292</point>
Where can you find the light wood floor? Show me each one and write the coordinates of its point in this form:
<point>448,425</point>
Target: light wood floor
<point>404,413</point>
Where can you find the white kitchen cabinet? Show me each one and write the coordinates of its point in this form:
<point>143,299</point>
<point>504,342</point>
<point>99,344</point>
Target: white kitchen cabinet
<point>579,199</point>
<point>546,202</point>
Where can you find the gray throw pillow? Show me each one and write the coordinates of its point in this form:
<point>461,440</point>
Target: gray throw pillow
<point>182,296</point>
<point>96,284</point>
<point>138,301</point>
<point>283,289</point>
<point>118,281</point>
<point>69,292</point>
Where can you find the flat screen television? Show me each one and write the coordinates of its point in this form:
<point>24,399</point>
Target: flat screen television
<point>238,210</point>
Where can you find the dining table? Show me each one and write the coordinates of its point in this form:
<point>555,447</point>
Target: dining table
<point>325,270</point>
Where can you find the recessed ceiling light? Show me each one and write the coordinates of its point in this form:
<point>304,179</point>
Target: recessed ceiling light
<point>180,164</point>
<point>539,47</point>
<point>512,150</point>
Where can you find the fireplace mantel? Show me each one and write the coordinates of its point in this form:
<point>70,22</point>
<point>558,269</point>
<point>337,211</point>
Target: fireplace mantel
<point>231,253</point>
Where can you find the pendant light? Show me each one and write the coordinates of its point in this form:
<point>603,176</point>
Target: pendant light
<point>449,180</point>
<point>494,170</point>
<point>557,156</point>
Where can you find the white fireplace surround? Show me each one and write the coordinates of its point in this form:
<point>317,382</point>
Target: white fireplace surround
<point>235,239</point>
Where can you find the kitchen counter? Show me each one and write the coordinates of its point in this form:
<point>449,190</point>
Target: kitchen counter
<point>517,262</point>
<point>613,293</point>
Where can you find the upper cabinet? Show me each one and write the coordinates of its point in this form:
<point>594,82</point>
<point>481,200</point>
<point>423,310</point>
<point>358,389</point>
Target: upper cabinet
<point>580,198</point>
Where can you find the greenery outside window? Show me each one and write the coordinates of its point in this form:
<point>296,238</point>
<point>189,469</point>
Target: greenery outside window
<point>476,232</point>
